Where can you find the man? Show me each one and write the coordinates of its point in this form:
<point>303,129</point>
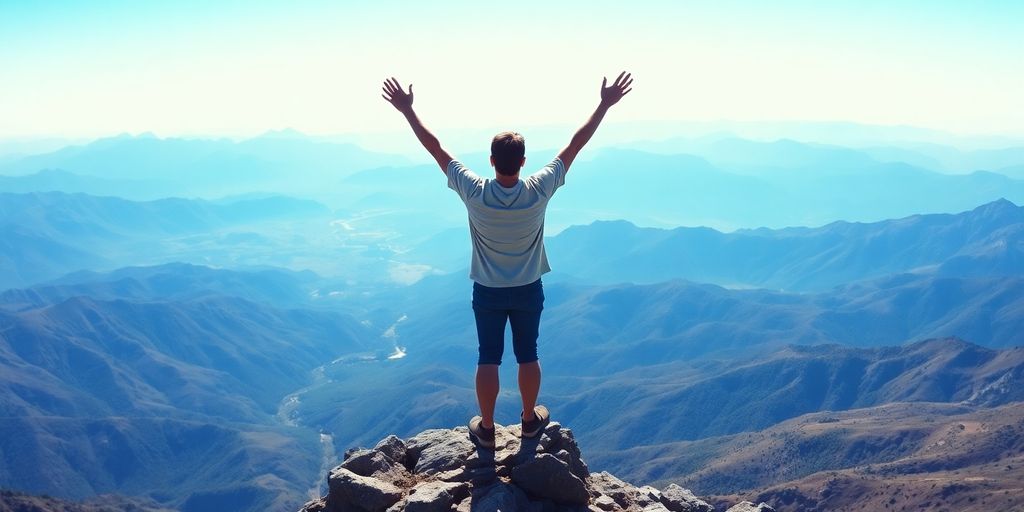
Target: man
<point>506,224</point>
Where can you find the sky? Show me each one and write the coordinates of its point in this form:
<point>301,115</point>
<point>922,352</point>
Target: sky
<point>184,68</point>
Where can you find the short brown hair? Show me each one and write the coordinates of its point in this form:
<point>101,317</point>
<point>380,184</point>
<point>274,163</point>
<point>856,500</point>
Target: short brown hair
<point>508,150</point>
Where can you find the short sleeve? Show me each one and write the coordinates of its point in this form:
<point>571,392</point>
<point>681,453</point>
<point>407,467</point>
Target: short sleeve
<point>462,180</point>
<point>548,179</point>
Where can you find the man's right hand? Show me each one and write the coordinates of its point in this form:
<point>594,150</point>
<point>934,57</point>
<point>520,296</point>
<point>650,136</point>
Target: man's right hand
<point>396,96</point>
<point>611,95</point>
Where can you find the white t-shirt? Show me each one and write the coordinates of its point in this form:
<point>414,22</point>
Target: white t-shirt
<point>506,225</point>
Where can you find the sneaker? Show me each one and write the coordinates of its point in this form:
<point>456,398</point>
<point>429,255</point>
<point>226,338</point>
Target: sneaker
<point>481,435</point>
<point>534,427</point>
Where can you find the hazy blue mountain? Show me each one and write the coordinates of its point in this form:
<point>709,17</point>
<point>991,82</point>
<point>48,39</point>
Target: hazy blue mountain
<point>912,455</point>
<point>184,465</point>
<point>674,190</point>
<point>760,157</point>
<point>221,357</point>
<point>624,335</point>
<point>781,153</point>
<point>1015,172</point>
<point>988,240</point>
<point>50,234</point>
<point>56,213</point>
<point>50,180</point>
<point>174,394</point>
<point>27,257</point>
<point>752,394</point>
<point>209,167</point>
<point>171,281</point>
<point>958,160</point>
<point>727,182</point>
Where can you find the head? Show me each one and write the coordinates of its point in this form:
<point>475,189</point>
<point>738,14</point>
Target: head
<point>508,153</point>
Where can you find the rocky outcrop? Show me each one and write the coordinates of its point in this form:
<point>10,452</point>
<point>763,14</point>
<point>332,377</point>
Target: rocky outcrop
<point>746,506</point>
<point>443,471</point>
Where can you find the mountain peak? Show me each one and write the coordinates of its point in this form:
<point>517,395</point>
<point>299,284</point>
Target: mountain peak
<point>1001,206</point>
<point>441,469</point>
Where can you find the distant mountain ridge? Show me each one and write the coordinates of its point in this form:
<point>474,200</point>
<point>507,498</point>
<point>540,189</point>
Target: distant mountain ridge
<point>204,167</point>
<point>915,455</point>
<point>988,240</point>
<point>790,382</point>
<point>52,233</point>
<point>133,395</point>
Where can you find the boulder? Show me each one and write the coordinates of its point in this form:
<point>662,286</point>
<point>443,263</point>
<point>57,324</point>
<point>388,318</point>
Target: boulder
<point>545,476</point>
<point>436,451</point>
<point>441,470</point>
<point>376,464</point>
<point>349,491</point>
<point>604,483</point>
<point>502,497</point>
<point>435,496</point>
<point>677,499</point>
<point>393,448</point>
<point>746,506</point>
<point>367,462</point>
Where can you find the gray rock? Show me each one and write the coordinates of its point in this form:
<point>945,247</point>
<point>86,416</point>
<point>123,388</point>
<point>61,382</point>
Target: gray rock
<point>606,503</point>
<point>562,439</point>
<point>746,506</point>
<point>547,477</point>
<point>501,497</point>
<point>436,451</point>
<point>376,464</point>
<point>648,498</point>
<point>607,484</point>
<point>393,448</point>
<point>653,507</point>
<point>367,462</point>
<point>317,505</point>
<point>349,491</point>
<point>677,499</point>
<point>435,496</point>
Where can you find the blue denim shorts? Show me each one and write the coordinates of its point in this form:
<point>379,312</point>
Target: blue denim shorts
<point>519,306</point>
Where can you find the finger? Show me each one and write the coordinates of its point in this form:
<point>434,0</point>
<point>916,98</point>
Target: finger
<point>627,84</point>
<point>619,78</point>
<point>388,88</point>
<point>386,98</point>
<point>397,85</point>
<point>604,82</point>
<point>627,91</point>
<point>410,89</point>
<point>626,79</point>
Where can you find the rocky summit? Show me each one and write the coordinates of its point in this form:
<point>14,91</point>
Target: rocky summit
<point>442,470</point>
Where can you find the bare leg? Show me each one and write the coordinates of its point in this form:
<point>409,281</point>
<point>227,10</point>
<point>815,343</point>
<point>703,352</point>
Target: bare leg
<point>529,387</point>
<point>487,391</point>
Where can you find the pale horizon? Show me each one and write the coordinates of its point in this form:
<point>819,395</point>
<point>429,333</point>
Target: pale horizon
<point>85,71</point>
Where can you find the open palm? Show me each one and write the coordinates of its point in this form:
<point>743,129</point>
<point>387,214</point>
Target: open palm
<point>611,95</point>
<point>393,93</point>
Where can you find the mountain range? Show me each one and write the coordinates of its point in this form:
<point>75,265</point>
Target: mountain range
<point>220,349</point>
<point>133,395</point>
<point>722,182</point>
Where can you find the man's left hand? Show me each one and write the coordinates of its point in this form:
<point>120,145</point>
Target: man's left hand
<point>394,94</point>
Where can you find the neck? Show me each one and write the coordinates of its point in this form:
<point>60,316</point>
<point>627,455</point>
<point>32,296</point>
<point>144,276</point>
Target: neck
<point>507,181</point>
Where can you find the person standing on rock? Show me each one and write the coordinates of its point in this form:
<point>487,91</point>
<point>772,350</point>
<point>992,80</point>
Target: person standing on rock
<point>506,224</point>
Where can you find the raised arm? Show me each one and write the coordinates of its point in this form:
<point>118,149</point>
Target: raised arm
<point>610,95</point>
<point>402,101</point>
